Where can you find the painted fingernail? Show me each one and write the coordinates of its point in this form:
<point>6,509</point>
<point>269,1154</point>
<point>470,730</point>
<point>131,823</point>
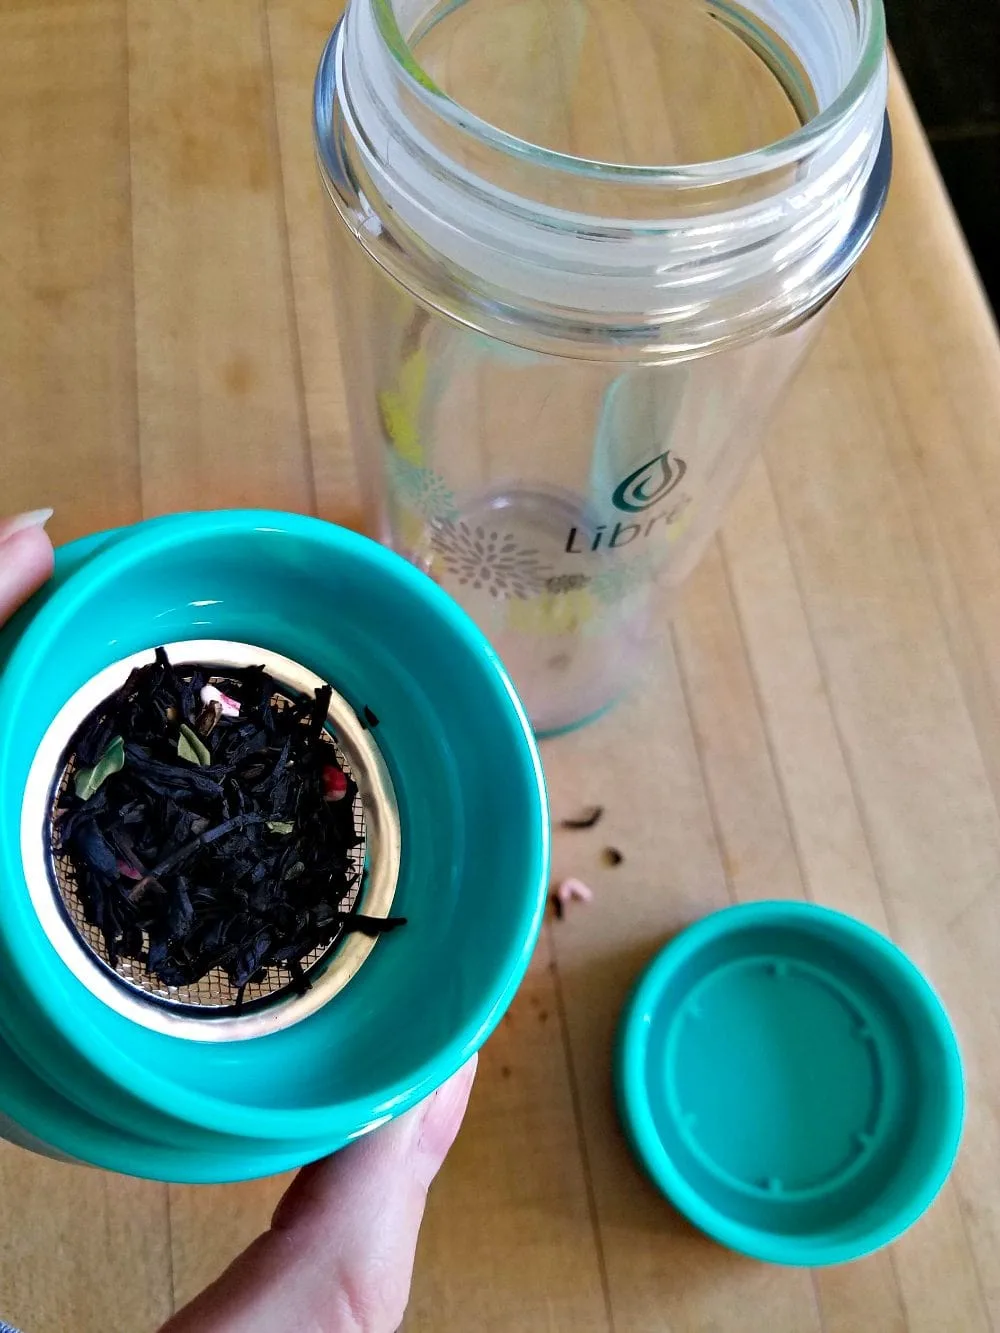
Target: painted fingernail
<point>37,518</point>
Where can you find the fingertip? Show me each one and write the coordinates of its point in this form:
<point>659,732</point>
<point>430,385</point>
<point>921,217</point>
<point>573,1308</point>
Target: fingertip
<point>32,518</point>
<point>412,1147</point>
<point>37,550</point>
<point>26,562</point>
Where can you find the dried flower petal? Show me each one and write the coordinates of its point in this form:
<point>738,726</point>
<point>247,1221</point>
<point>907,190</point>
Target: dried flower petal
<point>89,780</point>
<point>211,694</point>
<point>571,890</point>
<point>282,826</point>
<point>208,719</point>
<point>334,783</point>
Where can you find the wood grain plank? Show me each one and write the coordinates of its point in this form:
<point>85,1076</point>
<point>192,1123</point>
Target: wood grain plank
<point>70,1236</point>
<point>508,1241</point>
<point>782,801</point>
<point>939,411</point>
<point>75,1242</point>
<point>815,789</point>
<point>67,370</point>
<point>794,707</point>
<point>908,744</point>
<point>641,762</point>
<point>222,422</point>
<point>758,853</point>
<point>298,31</point>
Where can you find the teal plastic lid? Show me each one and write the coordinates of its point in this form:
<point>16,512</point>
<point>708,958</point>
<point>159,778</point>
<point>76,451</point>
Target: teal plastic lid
<point>791,1082</point>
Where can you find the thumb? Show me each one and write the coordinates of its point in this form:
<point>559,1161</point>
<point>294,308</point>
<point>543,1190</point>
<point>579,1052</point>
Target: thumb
<point>25,559</point>
<point>339,1255</point>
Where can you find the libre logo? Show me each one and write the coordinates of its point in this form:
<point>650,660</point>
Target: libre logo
<point>647,484</point>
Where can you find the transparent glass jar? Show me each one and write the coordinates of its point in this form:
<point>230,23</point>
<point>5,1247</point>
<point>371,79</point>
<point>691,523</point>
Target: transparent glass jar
<point>579,247</point>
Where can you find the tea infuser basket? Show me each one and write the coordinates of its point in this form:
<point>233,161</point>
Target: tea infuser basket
<point>103,1065</point>
<point>212,1008</point>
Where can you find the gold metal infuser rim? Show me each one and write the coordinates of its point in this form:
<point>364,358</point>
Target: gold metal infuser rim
<point>206,1011</point>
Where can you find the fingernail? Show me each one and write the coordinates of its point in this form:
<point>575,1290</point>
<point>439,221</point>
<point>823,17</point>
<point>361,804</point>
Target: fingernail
<point>37,518</point>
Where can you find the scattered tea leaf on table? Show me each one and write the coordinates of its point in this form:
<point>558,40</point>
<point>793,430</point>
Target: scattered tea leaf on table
<point>587,819</point>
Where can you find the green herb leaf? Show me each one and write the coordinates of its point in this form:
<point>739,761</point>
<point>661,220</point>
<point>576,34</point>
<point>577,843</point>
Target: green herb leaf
<point>90,780</point>
<point>280,825</point>
<point>192,748</point>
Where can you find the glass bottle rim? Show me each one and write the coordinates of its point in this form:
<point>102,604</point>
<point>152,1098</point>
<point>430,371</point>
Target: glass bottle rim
<point>791,148</point>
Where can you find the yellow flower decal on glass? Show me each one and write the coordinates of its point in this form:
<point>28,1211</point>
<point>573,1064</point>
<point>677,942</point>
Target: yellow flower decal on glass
<point>552,613</point>
<point>412,529</point>
<point>400,408</point>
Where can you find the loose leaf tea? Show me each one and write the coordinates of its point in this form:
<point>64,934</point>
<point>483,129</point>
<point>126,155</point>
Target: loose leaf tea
<point>587,819</point>
<point>209,826</point>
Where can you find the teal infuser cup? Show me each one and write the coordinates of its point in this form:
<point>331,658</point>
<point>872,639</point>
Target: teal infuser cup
<point>99,1065</point>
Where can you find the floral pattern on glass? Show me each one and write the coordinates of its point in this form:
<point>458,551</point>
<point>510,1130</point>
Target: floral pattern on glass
<point>480,557</point>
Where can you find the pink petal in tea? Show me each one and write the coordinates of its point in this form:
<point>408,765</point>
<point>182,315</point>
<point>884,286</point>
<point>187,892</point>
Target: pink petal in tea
<point>571,890</point>
<point>334,783</point>
<point>211,695</point>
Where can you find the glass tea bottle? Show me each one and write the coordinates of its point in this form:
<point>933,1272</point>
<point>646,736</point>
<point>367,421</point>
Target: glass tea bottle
<point>578,249</point>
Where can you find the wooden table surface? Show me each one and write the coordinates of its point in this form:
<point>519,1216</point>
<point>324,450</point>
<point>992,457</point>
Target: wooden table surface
<point>822,721</point>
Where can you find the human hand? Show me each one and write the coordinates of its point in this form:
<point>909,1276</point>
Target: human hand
<point>339,1255</point>
<point>25,558</point>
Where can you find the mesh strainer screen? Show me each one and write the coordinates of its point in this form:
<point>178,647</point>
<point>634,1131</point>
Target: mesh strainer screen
<point>215,990</point>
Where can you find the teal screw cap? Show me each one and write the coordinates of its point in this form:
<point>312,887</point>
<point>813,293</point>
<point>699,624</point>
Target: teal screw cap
<point>791,1082</point>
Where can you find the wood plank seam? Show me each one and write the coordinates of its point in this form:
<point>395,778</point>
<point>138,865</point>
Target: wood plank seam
<point>696,741</point>
<point>758,698</point>
<point>991,762</point>
<point>776,768</point>
<point>281,209</point>
<point>955,1182</point>
<point>780,786</point>
<point>877,869</point>
<point>574,1087</point>
<point>137,415</point>
<point>782,790</point>
<point>170,1251</point>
